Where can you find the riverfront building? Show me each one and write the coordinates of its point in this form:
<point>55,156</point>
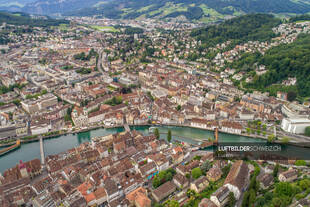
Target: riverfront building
<point>295,126</point>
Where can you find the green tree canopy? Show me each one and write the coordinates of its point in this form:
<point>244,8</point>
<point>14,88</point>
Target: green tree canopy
<point>291,96</point>
<point>196,172</point>
<point>156,133</point>
<point>206,165</point>
<point>169,137</point>
<point>307,131</point>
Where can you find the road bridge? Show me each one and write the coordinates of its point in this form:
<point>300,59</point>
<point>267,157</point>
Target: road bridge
<point>127,129</point>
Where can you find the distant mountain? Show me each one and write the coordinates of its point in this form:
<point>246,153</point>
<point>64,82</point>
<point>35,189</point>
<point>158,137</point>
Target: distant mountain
<point>51,7</point>
<point>13,5</point>
<point>205,10</point>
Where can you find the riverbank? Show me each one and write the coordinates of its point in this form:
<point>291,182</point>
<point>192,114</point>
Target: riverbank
<point>61,143</point>
<point>66,132</point>
<point>10,148</point>
<point>37,137</point>
<point>253,136</point>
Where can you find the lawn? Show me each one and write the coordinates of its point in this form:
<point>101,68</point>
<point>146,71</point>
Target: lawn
<point>210,11</point>
<point>146,8</point>
<point>168,9</point>
<point>104,28</point>
<point>63,26</point>
<point>17,14</point>
<point>111,88</point>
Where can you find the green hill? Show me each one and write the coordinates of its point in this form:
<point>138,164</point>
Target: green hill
<point>250,27</point>
<point>25,19</point>
<point>282,62</point>
<point>203,10</point>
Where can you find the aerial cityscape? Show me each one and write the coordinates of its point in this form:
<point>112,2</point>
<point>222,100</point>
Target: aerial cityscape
<point>168,103</point>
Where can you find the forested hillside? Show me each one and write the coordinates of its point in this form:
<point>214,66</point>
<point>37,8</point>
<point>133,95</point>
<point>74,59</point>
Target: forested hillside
<point>25,19</point>
<point>193,10</point>
<point>282,62</point>
<point>304,17</point>
<point>241,29</point>
<point>202,10</point>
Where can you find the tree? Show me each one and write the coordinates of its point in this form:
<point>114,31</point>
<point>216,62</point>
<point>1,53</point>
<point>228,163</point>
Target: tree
<point>245,200</point>
<point>307,131</point>
<point>261,201</point>
<point>252,182</point>
<point>284,189</point>
<point>231,200</point>
<point>197,157</point>
<point>206,166</point>
<point>179,108</point>
<point>271,138</point>
<point>156,133</point>
<point>304,184</point>
<point>169,136</point>
<point>252,197</point>
<point>276,202</point>
<point>285,140</point>
<point>16,102</point>
<point>291,96</point>
<point>264,127</point>
<point>226,170</point>
<point>169,176</point>
<point>171,203</point>
<point>237,99</point>
<point>190,193</point>
<point>300,163</point>
<point>163,177</point>
<point>187,175</point>
<point>43,61</point>
<point>150,96</point>
<point>156,182</point>
<point>196,173</point>
<point>276,170</point>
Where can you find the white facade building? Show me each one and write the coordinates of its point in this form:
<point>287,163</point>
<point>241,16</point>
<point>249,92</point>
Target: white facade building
<point>295,126</point>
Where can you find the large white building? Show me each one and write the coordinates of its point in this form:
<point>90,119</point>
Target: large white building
<point>295,126</point>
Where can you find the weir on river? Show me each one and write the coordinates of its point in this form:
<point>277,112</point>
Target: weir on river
<point>203,143</point>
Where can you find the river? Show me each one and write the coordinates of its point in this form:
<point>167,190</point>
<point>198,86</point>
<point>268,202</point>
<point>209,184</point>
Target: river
<point>60,144</point>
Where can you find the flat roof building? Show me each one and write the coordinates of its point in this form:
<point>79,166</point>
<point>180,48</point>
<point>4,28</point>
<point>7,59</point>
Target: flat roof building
<point>295,126</point>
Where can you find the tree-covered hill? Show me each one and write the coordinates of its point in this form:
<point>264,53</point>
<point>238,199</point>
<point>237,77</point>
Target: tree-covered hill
<point>240,29</point>
<point>25,19</point>
<point>282,62</point>
<point>304,17</point>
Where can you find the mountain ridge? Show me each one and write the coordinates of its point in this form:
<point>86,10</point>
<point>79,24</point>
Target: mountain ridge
<point>205,10</point>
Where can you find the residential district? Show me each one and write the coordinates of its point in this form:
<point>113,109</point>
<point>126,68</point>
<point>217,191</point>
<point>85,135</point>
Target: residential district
<point>108,73</point>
